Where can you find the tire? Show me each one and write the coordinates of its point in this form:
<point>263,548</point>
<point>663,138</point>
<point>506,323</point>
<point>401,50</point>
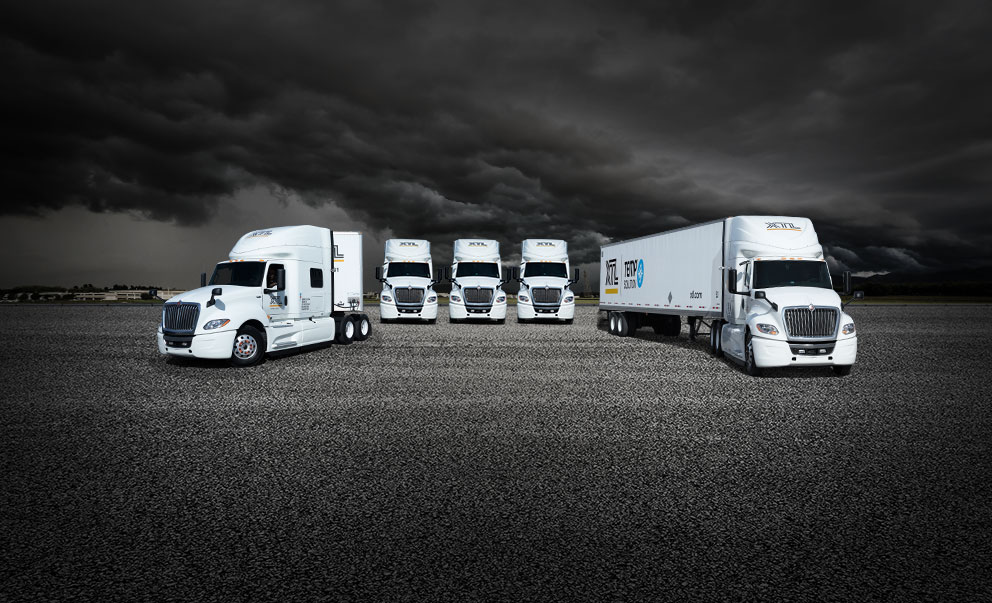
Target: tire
<point>611,322</point>
<point>672,326</point>
<point>431,321</point>
<point>500,321</point>
<point>249,347</point>
<point>713,337</point>
<point>346,334</point>
<point>658,330</point>
<point>718,338</point>
<point>693,321</point>
<point>749,366</point>
<point>623,325</point>
<point>842,370</point>
<point>363,327</point>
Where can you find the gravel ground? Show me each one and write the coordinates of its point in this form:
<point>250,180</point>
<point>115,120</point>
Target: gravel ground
<point>478,462</point>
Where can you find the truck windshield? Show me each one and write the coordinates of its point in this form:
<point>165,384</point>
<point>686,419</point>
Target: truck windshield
<point>545,269</point>
<point>478,269</point>
<point>786,273</point>
<point>409,269</point>
<point>240,274</point>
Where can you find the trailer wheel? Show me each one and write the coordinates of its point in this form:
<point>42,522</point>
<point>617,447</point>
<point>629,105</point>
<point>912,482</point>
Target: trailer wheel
<point>249,347</point>
<point>623,324</point>
<point>717,335</point>
<point>346,334</point>
<point>363,328</point>
<point>692,328</point>
<point>749,366</point>
<point>671,326</point>
<point>842,370</point>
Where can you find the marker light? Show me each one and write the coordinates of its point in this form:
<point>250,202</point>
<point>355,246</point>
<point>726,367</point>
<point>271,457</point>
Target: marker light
<point>768,329</point>
<point>216,324</point>
<point>848,328</point>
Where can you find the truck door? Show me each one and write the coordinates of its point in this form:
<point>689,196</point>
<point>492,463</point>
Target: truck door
<point>274,303</point>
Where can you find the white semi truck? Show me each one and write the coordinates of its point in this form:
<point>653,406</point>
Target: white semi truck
<point>544,283</point>
<point>407,278</point>
<point>760,283</point>
<point>281,288</point>
<point>476,277</point>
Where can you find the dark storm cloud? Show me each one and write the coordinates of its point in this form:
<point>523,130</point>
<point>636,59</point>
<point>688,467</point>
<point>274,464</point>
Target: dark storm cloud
<point>574,120</point>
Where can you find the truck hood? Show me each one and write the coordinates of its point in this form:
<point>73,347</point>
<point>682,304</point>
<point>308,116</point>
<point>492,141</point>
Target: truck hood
<point>232,295</point>
<point>478,281</point>
<point>409,281</point>
<point>546,281</point>
<point>803,296</point>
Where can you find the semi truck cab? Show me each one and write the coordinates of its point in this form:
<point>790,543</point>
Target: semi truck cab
<point>408,280</point>
<point>544,283</point>
<point>477,279</point>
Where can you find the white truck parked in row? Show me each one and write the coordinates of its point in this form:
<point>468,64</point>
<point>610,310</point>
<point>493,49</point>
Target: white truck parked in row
<point>476,277</point>
<point>407,278</point>
<point>544,284</point>
<point>281,288</point>
<point>761,282</point>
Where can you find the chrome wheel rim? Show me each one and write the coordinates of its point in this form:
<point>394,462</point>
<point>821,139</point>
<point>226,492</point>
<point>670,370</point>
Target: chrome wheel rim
<point>365,327</point>
<point>245,346</point>
<point>349,329</point>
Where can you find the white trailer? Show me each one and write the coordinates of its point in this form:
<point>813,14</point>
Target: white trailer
<point>408,280</point>
<point>281,288</point>
<point>476,277</point>
<point>760,283</point>
<point>544,283</point>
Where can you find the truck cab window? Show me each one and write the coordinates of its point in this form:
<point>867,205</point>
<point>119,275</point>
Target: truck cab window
<point>316,278</point>
<point>271,281</point>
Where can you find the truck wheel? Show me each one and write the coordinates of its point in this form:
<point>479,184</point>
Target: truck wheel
<point>671,326</point>
<point>346,334</point>
<point>249,347</point>
<point>611,322</point>
<point>363,328</point>
<point>692,328</point>
<point>623,324</point>
<point>717,326</point>
<point>749,366</point>
<point>842,370</point>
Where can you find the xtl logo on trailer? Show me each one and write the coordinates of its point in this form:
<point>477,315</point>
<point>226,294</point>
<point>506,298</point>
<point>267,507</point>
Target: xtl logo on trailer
<point>633,274</point>
<point>545,244</point>
<point>476,244</point>
<point>781,226</point>
<point>611,273</point>
<point>407,244</point>
<point>337,254</point>
<point>258,233</point>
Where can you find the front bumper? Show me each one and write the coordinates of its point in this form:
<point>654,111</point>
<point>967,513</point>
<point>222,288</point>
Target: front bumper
<point>771,353</point>
<point>526,311</point>
<point>207,345</point>
<point>389,311</point>
<point>457,311</point>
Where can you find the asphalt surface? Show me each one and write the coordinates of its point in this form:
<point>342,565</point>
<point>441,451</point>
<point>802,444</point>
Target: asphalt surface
<point>475,462</point>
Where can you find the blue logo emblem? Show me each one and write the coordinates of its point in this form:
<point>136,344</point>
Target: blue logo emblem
<point>640,273</point>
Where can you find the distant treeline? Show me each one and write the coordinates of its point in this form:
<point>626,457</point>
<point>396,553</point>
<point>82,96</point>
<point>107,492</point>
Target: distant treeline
<point>954,288</point>
<point>85,288</point>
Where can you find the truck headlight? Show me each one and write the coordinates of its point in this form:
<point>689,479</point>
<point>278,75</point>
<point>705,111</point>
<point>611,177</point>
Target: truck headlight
<point>432,299</point>
<point>500,299</point>
<point>386,297</point>
<point>767,329</point>
<point>216,324</point>
<point>522,297</point>
<point>848,328</point>
<point>569,299</point>
<point>455,298</point>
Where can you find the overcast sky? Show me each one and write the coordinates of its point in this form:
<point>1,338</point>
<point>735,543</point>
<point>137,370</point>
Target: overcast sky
<point>141,139</point>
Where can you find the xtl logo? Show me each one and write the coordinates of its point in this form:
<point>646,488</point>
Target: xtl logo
<point>476,244</point>
<point>545,244</point>
<point>407,244</point>
<point>781,226</point>
<point>611,273</point>
<point>259,233</point>
<point>337,254</point>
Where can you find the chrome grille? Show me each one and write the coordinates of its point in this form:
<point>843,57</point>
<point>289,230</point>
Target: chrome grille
<point>180,316</point>
<point>409,295</point>
<point>546,295</point>
<point>478,295</point>
<point>803,322</point>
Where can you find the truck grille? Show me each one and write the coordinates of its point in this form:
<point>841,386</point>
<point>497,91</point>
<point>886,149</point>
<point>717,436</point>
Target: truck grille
<point>550,296</point>
<point>803,322</point>
<point>180,316</point>
<point>478,296</point>
<point>409,295</point>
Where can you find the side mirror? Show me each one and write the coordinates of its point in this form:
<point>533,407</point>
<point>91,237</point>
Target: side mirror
<point>847,282</point>
<point>153,292</point>
<point>515,273</point>
<point>203,279</point>
<point>575,275</point>
<point>764,296</point>
<point>281,279</point>
<point>732,281</point>
<point>438,275</point>
<point>447,273</point>
<point>217,291</point>
<point>378,273</point>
